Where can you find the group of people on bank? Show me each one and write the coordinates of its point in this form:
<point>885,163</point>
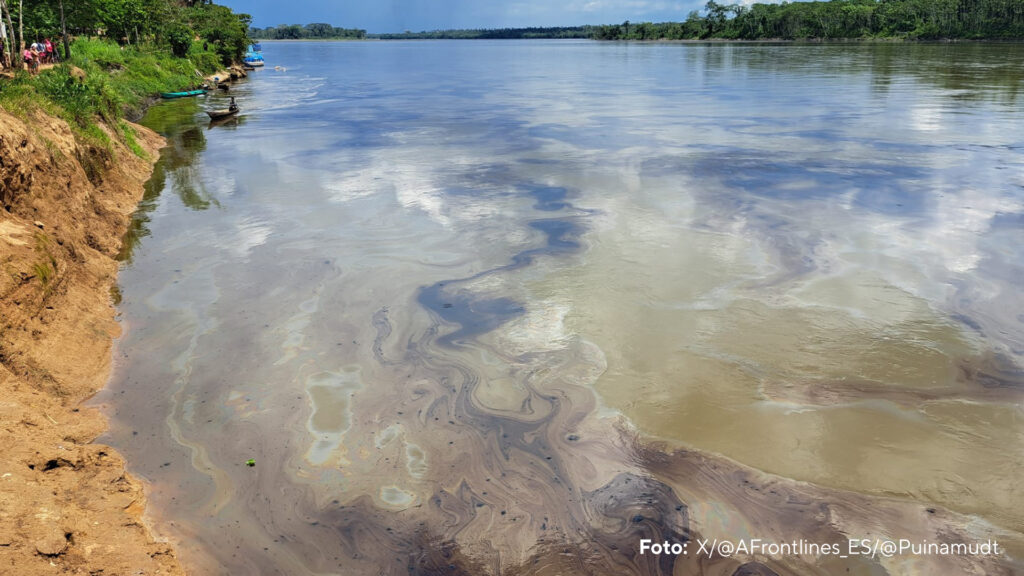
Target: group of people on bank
<point>33,56</point>
<point>43,52</point>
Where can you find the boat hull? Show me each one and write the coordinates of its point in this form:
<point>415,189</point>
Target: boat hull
<point>188,94</point>
<point>219,114</point>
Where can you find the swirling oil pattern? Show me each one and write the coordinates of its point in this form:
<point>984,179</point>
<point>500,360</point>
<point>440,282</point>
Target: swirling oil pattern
<point>513,307</point>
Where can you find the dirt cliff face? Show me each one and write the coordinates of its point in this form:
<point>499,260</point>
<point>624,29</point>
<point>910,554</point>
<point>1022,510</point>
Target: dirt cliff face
<point>66,505</point>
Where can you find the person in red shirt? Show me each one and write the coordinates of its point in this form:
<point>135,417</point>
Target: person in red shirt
<point>49,50</point>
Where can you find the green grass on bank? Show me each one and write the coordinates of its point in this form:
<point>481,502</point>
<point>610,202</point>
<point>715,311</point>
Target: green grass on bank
<point>116,84</point>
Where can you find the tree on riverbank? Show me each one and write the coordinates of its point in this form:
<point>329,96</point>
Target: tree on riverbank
<point>155,23</point>
<point>911,19</point>
<point>8,24</point>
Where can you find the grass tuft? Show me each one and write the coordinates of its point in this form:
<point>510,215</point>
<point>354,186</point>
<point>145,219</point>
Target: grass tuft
<point>43,272</point>
<point>128,135</point>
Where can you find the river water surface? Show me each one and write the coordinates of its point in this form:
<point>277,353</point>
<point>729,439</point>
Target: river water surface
<point>509,307</point>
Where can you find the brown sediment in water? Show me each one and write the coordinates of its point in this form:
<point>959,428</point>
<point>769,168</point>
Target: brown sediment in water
<point>847,379</point>
<point>983,378</point>
<point>534,480</point>
<point>67,506</point>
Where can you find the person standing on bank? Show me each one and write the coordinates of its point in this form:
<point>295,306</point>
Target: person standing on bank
<point>29,59</point>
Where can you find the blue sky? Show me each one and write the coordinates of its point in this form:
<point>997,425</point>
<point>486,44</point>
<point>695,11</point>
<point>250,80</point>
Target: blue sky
<point>416,15</point>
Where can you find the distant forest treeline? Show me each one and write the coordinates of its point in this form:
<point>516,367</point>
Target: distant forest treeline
<point>913,19</point>
<point>834,19</point>
<point>315,31</point>
<point>320,31</point>
<point>494,34</point>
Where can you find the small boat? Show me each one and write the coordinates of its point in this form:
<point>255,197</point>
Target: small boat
<point>248,67</point>
<point>170,95</point>
<point>254,56</point>
<point>218,114</point>
<point>225,121</point>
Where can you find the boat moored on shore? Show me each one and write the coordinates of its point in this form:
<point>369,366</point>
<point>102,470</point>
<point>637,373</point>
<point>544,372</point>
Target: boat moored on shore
<point>254,56</point>
<point>184,94</point>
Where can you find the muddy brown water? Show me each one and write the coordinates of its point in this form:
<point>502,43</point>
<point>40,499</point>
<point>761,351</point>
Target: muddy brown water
<point>511,307</point>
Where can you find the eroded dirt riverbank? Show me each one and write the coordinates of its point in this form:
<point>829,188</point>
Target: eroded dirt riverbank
<point>67,506</point>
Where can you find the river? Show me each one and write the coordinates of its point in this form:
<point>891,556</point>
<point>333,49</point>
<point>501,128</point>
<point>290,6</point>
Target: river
<point>481,307</point>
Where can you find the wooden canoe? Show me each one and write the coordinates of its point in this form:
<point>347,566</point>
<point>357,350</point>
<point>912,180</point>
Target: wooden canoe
<point>218,114</point>
<point>170,95</point>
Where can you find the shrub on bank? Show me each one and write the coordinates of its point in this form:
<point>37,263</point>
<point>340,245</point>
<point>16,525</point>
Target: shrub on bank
<point>104,81</point>
<point>206,61</point>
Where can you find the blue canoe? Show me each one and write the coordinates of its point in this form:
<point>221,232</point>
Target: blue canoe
<point>182,94</point>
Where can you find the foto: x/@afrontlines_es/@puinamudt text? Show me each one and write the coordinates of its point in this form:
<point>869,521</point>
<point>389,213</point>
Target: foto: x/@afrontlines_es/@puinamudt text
<point>854,547</point>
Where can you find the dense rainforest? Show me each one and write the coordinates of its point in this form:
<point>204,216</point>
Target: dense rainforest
<point>911,19</point>
<point>835,19</point>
